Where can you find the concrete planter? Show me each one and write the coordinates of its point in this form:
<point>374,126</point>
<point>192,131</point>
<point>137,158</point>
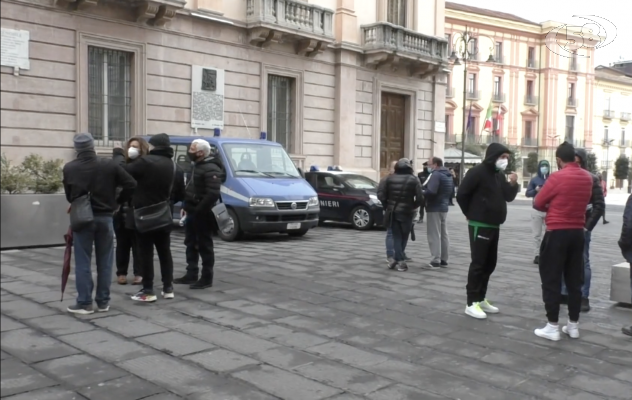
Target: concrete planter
<point>30,220</point>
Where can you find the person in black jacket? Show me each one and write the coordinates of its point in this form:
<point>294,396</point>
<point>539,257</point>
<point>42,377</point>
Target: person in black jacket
<point>625,244</point>
<point>124,223</point>
<point>594,211</point>
<point>423,177</point>
<point>99,178</point>
<point>401,194</point>
<point>155,175</point>
<point>202,192</point>
<point>483,195</point>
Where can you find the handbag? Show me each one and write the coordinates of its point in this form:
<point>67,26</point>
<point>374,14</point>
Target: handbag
<point>128,218</point>
<point>224,221</point>
<point>388,212</point>
<point>81,214</point>
<point>155,216</point>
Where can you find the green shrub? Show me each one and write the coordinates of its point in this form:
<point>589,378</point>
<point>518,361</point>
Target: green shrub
<point>46,175</point>
<point>13,179</point>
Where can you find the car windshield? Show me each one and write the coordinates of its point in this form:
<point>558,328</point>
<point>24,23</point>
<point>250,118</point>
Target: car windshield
<point>359,182</point>
<point>259,160</point>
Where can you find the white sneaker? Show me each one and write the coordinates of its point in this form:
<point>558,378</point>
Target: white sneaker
<point>475,311</point>
<point>551,332</point>
<point>488,308</point>
<point>572,330</point>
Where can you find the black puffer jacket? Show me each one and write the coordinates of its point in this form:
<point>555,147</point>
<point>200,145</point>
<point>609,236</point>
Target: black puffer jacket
<point>203,190</point>
<point>597,205</point>
<point>154,175</point>
<point>401,191</point>
<point>484,192</point>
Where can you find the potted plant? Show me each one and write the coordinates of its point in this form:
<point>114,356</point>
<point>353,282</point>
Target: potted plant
<point>33,205</point>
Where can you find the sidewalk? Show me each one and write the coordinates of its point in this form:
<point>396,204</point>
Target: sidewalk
<point>614,197</point>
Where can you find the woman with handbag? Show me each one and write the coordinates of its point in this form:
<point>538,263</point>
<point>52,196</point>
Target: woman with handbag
<point>135,148</point>
<point>160,184</point>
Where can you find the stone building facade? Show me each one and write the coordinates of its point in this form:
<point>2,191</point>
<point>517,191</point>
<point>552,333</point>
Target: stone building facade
<point>344,82</point>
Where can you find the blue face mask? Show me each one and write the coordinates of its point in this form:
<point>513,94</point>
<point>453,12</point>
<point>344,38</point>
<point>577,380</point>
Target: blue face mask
<point>544,170</point>
<point>429,169</point>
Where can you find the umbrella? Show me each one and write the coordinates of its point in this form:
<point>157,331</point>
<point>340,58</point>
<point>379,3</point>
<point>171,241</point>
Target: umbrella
<point>65,272</point>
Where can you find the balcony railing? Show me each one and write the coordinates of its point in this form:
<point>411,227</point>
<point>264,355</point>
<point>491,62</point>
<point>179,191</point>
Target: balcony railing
<point>606,165</point>
<point>449,92</point>
<point>571,102</point>
<point>500,59</point>
<point>625,116</point>
<point>529,141</point>
<point>608,114</point>
<point>473,95</point>
<point>532,64</point>
<point>624,143</point>
<point>393,38</point>
<point>498,97</point>
<point>289,16</point>
<point>530,100</point>
<point>489,139</point>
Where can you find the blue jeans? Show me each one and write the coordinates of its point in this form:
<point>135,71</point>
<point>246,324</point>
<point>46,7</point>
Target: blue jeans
<point>587,270</point>
<point>101,234</point>
<point>390,249</point>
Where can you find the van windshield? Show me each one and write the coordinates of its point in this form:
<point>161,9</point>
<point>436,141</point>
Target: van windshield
<point>259,160</point>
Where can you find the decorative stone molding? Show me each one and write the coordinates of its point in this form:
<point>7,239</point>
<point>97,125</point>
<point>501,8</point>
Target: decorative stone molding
<point>157,12</point>
<point>76,4</point>
<point>391,45</point>
<point>275,21</point>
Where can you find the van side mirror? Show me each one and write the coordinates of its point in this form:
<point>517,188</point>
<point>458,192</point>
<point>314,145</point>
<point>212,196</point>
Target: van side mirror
<point>300,171</point>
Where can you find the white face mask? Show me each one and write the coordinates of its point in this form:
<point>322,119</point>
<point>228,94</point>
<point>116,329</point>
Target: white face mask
<point>502,163</point>
<point>133,153</point>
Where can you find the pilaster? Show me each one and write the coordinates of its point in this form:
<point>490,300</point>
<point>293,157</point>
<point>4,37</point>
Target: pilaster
<point>346,22</point>
<point>344,123</point>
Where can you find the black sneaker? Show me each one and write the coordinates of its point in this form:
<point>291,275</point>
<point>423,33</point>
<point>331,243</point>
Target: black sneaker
<point>203,283</point>
<point>606,222</point>
<point>536,260</point>
<point>585,305</point>
<point>433,265</point>
<point>186,280</point>
<point>444,264</point>
<point>627,330</point>
<point>407,258</point>
<point>564,299</point>
<point>105,307</point>
<point>81,310</point>
<point>401,267</point>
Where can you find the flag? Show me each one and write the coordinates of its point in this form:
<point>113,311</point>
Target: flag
<point>487,126</point>
<point>469,120</point>
<point>499,117</point>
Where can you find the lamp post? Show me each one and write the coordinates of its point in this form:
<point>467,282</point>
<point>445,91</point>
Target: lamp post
<point>551,139</point>
<point>464,46</point>
<point>607,143</point>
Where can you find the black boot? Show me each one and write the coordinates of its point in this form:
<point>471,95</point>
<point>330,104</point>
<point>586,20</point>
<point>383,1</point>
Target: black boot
<point>187,279</point>
<point>585,305</point>
<point>536,260</point>
<point>627,331</point>
<point>204,283</point>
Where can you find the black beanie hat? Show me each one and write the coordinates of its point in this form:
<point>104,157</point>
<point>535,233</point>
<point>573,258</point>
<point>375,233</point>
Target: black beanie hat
<point>160,140</point>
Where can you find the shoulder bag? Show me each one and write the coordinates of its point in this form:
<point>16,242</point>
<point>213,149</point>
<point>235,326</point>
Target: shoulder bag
<point>81,214</point>
<point>156,216</point>
<point>388,212</point>
<point>224,221</point>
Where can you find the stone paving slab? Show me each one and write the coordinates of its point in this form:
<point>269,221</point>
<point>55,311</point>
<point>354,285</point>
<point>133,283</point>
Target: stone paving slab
<point>316,318</point>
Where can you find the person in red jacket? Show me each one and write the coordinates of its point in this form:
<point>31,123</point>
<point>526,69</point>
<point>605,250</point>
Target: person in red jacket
<point>564,197</point>
<point>604,187</point>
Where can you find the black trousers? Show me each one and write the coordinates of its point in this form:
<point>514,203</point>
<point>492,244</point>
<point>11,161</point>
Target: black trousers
<point>161,240</point>
<point>484,250</point>
<point>199,243</point>
<point>562,254</point>
<point>401,227</point>
<point>125,243</point>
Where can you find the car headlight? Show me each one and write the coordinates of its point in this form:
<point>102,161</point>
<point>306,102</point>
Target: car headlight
<point>313,202</point>
<point>261,202</point>
<point>375,199</point>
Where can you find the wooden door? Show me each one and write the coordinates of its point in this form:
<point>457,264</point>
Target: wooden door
<point>392,130</point>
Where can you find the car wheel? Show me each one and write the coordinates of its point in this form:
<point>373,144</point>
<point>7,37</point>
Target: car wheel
<point>300,233</point>
<point>234,233</point>
<point>361,218</point>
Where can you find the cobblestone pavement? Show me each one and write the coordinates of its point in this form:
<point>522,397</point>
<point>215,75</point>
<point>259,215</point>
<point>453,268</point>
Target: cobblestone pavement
<point>316,318</point>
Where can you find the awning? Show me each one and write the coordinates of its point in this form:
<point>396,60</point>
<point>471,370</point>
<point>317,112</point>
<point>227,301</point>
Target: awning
<point>453,156</point>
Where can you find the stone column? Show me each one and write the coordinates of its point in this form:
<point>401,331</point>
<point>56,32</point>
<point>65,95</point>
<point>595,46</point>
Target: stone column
<point>345,114</point>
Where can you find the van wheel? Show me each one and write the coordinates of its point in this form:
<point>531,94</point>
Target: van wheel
<point>300,233</point>
<point>235,233</point>
<point>361,218</point>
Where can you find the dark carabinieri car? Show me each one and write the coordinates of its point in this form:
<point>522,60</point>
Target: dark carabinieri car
<point>346,197</point>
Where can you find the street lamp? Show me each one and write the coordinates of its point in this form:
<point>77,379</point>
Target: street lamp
<point>464,47</point>
<point>607,143</point>
<point>551,139</point>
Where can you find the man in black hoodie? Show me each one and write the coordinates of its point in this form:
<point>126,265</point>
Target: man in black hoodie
<point>202,192</point>
<point>483,197</point>
<point>100,178</point>
<point>155,175</point>
<point>401,194</point>
<point>594,211</point>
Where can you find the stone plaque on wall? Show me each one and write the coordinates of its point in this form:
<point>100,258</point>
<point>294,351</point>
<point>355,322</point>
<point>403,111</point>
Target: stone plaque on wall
<point>439,127</point>
<point>207,97</point>
<point>15,49</point>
